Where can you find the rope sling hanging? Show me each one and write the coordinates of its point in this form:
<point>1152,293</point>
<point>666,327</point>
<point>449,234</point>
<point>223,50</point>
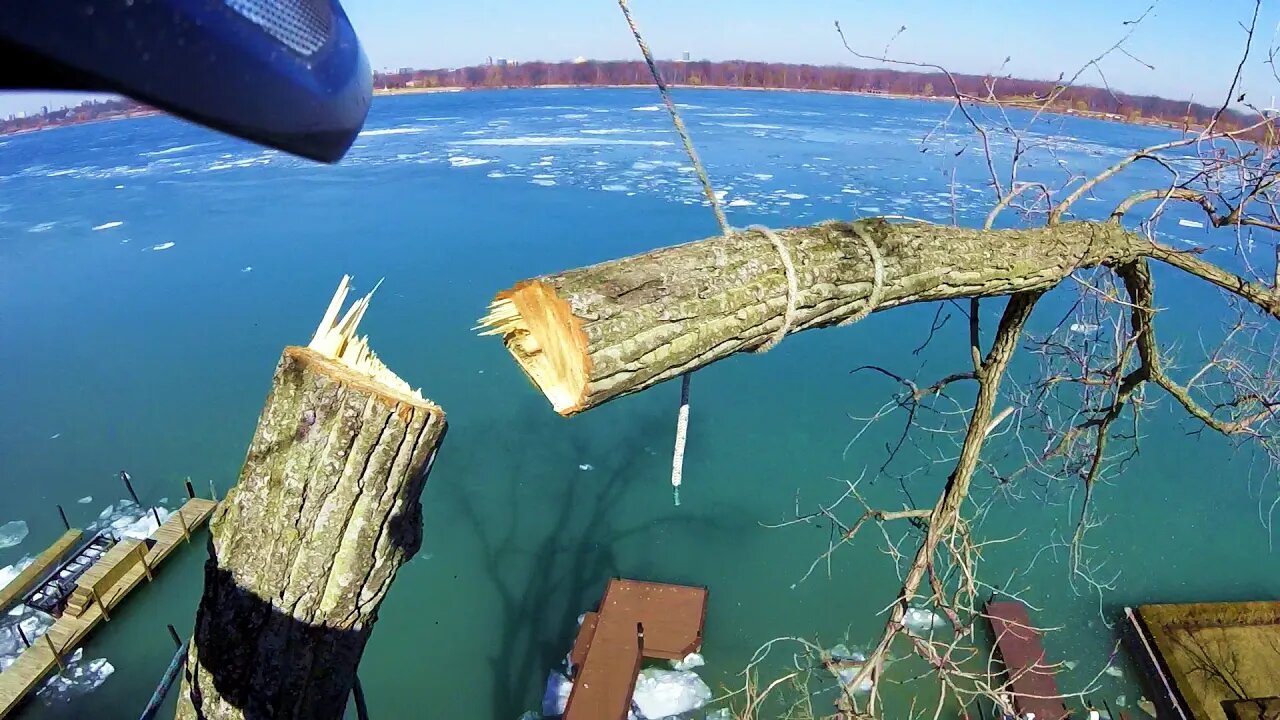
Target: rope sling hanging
<point>873,300</point>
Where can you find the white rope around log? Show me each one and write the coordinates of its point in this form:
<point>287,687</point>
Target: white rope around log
<point>793,288</point>
<point>877,287</point>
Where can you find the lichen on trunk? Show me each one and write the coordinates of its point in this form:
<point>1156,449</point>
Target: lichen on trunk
<point>586,336</point>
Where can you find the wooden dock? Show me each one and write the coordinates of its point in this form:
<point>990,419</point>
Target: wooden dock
<point>636,619</point>
<point>106,585</point>
<point>10,594</point>
<point>1031,680</point>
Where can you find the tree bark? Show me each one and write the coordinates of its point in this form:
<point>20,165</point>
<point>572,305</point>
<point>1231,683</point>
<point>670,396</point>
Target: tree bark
<point>306,545</point>
<point>589,335</point>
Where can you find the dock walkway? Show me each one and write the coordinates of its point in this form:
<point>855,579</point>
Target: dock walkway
<point>1031,681</point>
<point>10,594</point>
<point>636,619</point>
<point>125,571</point>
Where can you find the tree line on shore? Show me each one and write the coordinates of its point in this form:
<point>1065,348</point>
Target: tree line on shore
<point>1082,99</point>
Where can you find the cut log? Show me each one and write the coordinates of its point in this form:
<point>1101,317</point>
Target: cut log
<point>589,335</point>
<point>305,547</point>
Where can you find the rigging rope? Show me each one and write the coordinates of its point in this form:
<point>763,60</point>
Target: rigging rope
<point>682,420</point>
<point>792,289</point>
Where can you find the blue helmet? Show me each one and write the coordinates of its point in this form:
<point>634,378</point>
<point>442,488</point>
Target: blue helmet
<point>289,74</point>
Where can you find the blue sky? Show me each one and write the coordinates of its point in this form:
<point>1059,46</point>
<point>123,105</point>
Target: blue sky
<point>1194,49</point>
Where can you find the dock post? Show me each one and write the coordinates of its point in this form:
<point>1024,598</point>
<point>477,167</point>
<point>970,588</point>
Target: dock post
<point>142,557</point>
<point>98,599</point>
<point>191,491</point>
<point>124,476</point>
<point>63,514</point>
<point>56,657</point>
<point>155,513</point>
<point>186,533</point>
<point>23,635</point>
<point>177,639</point>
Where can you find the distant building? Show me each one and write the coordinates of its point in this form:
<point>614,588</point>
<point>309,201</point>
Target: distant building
<point>21,115</point>
<point>684,56</point>
<point>579,60</point>
<point>405,71</point>
<point>502,62</point>
<point>44,109</point>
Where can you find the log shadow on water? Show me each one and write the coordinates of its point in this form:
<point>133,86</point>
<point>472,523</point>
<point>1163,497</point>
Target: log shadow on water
<point>543,583</point>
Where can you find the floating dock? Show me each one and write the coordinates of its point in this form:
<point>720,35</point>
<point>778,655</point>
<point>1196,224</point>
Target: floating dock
<point>1212,661</point>
<point>101,588</point>
<point>1031,681</point>
<point>636,619</point>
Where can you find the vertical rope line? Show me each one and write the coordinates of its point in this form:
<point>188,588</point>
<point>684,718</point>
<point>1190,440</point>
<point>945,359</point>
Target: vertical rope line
<point>675,119</point>
<point>682,419</point>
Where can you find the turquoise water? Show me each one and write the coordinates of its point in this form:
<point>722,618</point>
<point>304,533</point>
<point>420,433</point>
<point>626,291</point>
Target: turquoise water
<point>121,352</point>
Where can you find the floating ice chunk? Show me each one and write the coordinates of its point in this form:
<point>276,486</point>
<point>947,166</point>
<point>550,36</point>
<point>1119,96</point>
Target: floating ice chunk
<point>459,161</point>
<point>543,182</point>
<point>556,696</point>
<point>663,693</point>
<point>162,246</point>
<point>647,108</point>
<point>918,620</point>
<point>1121,701</point>
<point>79,677</point>
<point>542,140</point>
<point>8,573</point>
<point>762,176</point>
<point>870,208</point>
<point>615,188</point>
<point>1070,664</point>
<point>392,131</point>
<point>793,195</point>
<point>140,528</point>
<point>109,225</point>
<point>849,673</point>
<point>246,268</point>
<point>1083,328</point>
<point>41,227</point>
<point>1114,671</point>
<point>841,653</point>
<point>107,512</point>
<point>586,467</point>
<point>496,174</point>
<point>55,436</point>
<point>1184,223</point>
<point>740,202</point>
<point>690,661</point>
<point>12,533</point>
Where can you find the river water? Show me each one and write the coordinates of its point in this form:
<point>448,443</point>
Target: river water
<point>152,272</point>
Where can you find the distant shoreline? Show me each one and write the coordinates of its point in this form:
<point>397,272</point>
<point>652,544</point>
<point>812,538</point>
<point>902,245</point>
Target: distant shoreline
<point>1066,112</point>
<point>391,92</point>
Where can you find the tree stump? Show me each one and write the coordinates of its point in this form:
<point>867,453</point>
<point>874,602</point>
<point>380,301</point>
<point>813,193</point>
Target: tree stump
<point>306,545</point>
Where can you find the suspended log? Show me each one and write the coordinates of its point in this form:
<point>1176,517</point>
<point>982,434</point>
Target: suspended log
<point>589,335</point>
<point>305,547</point>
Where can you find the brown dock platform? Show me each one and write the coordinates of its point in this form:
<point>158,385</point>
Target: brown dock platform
<point>124,570</point>
<point>10,594</point>
<point>1031,680</point>
<point>636,619</point>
